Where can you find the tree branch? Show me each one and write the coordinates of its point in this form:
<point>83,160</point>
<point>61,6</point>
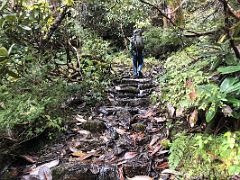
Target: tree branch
<point>159,10</point>
<point>227,28</point>
<point>55,25</point>
<point>194,34</point>
<point>229,9</point>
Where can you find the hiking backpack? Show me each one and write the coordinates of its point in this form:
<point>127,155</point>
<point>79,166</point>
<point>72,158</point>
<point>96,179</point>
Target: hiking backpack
<point>138,41</point>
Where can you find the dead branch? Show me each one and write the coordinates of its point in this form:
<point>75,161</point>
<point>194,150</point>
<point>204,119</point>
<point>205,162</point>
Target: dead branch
<point>78,56</point>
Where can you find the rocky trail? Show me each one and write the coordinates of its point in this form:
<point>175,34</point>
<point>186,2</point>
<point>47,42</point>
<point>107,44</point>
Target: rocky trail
<point>124,139</point>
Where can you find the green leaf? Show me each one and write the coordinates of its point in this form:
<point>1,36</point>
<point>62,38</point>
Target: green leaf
<point>4,3</point>
<point>230,85</point>
<point>235,102</point>
<point>11,17</point>
<point>210,114</point>
<point>228,69</point>
<point>10,49</point>
<point>69,2</point>
<point>3,54</point>
<point>25,28</point>
<point>236,115</point>
<point>12,74</point>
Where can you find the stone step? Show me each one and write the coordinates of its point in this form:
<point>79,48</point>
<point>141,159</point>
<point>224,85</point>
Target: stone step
<point>130,94</point>
<point>122,87</point>
<point>141,80</point>
<point>129,102</point>
<point>107,110</point>
<point>134,82</point>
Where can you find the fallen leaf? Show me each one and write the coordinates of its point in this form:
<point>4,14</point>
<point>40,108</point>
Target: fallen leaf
<point>80,119</point>
<point>78,154</point>
<point>120,172</point>
<point>49,165</point>
<point>73,149</point>
<point>171,110</point>
<point>140,178</point>
<point>160,119</point>
<point>155,138</point>
<point>193,118</point>
<point>157,148</point>
<point>84,132</point>
<point>86,156</point>
<point>149,113</point>
<point>163,165</point>
<point>192,95</point>
<point>45,173</point>
<point>121,131</point>
<point>170,171</point>
<point>179,112</point>
<point>28,158</point>
<point>104,138</point>
<point>189,83</point>
<point>2,105</point>
<point>130,155</point>
<point>136,137</point>
<point>163,152</point>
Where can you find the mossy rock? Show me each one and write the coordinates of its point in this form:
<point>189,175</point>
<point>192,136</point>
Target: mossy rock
<point>139,127</point>
<point>94,126</point>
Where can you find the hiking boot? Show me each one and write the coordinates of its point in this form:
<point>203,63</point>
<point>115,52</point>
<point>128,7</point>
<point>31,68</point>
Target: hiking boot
<point>135,76</point>
<point>140,75</point>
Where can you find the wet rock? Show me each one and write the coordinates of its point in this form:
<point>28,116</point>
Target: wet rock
<point>107,110</point>
<point>140,81</point>
<point>130,89</point>
<point>129,102</point>
<point>44,173</point>
<point>124,118</point>
<point>118,150</point>
<point>133,168</point>
<point>94,126</point>
<point>75,171</point>
<point>139,127</point>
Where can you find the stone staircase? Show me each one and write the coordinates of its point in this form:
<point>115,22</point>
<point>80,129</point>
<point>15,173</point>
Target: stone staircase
<point>129,94</point>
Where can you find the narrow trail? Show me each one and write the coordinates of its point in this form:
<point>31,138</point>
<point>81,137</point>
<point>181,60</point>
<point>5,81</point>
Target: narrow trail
<point>125,138</point>
<point>122,139</point>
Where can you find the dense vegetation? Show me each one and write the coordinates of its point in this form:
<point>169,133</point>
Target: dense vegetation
<point>54,50</point>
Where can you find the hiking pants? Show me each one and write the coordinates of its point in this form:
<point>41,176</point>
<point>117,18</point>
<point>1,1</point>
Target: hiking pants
<point>137,63</point>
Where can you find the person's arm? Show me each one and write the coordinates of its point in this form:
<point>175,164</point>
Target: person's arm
<point>131,46</point>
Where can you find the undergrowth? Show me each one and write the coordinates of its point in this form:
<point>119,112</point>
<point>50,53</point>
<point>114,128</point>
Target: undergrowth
<point>206,156</point>
<point>34,103</point>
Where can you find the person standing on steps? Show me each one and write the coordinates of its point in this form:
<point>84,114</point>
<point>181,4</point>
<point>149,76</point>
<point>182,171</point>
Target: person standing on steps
<point>137,51</point>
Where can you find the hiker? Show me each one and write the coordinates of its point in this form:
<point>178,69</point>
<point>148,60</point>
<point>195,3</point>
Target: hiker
<point>137,48</point>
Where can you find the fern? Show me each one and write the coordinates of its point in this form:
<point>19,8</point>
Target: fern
<point>177,150</point>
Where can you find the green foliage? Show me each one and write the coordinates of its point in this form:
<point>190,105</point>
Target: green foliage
<point>177,150</point>
<point>228,69</point>
<point>159,41</point>
<point>214,157</point>
<point>28,110</point>
<point>187,81</point>
<point>183,67</point>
